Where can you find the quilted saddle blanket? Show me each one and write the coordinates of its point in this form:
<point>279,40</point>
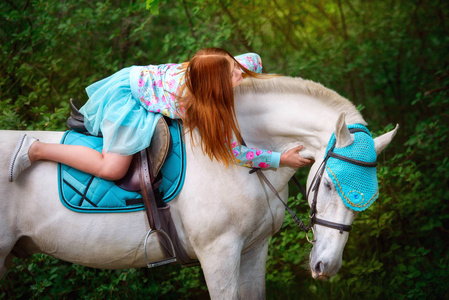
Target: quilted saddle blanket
<point>82,192</point>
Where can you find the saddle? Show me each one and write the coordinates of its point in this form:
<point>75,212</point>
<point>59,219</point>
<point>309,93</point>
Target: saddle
<point>156,153</point>
<point>144,177</point>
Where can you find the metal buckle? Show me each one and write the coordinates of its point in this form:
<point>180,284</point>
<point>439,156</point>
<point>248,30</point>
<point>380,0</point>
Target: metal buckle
<point>313,236</point>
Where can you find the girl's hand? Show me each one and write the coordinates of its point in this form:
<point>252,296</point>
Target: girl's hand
<point>292,158</point>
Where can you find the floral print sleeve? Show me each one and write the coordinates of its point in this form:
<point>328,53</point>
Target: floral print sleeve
<point>255,158</point>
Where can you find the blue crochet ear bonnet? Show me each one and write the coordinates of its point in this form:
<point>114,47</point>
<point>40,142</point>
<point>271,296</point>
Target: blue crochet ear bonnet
<point>356,185</point>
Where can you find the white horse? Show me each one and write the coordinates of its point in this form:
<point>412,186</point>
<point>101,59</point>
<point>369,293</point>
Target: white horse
<point>224,216</point>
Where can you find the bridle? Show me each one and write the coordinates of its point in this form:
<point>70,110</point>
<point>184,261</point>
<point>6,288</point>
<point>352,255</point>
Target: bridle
<point>314,187</point>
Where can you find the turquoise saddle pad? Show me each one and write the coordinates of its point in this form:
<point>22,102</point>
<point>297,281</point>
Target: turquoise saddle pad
<point>82,192</point>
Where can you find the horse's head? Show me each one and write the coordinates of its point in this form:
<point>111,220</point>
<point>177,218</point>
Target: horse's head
<point>281,113</point>
<point>342,183</point>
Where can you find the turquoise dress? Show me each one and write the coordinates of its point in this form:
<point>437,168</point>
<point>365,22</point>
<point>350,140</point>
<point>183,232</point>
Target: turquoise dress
<point>125,105</point>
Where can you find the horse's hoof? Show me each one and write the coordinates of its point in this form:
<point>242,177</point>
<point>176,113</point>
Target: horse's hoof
<point>20,159</point>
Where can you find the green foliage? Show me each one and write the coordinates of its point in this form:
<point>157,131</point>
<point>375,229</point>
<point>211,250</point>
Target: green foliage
<point>153,6</point>
<point>389,57</point>
<point>42,277</point>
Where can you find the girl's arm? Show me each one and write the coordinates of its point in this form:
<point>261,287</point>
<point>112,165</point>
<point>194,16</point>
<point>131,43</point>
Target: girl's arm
<point>255,158</point>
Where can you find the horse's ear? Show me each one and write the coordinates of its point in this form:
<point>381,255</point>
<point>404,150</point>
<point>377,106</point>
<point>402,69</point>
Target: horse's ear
<point>342,134</point>
<point>381,142</point>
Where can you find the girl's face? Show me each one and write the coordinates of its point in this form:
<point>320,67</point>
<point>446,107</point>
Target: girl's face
<point>236,73</point>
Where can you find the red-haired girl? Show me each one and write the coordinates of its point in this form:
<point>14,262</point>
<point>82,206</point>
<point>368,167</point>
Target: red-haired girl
<point>122,108</point>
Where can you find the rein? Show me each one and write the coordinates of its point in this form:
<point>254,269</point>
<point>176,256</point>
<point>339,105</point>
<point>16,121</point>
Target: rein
<point>314,187</point>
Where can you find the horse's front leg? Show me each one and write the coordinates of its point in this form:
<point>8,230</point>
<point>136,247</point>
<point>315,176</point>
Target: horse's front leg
<point>220,261</point>
<point>252,272</point>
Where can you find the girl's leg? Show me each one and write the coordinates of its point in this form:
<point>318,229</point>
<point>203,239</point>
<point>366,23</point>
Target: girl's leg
<point>109,166</point>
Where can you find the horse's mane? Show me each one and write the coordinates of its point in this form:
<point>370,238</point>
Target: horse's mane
<point>294,85</point>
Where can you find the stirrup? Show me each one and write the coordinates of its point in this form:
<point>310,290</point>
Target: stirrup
<point>160,262</point>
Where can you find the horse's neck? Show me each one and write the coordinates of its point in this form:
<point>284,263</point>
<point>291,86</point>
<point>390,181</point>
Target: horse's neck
<point>280,122</point>
<point>282,112</point>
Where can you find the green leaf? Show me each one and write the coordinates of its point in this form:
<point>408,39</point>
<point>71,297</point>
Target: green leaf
<point>153,7</point>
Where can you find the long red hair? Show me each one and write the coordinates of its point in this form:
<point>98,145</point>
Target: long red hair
<point>207,102</point>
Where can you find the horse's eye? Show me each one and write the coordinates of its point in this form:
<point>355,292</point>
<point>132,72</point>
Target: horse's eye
<point>328,185</point>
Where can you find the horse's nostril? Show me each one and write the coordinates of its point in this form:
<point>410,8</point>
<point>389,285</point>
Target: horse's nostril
<point>319,267</point>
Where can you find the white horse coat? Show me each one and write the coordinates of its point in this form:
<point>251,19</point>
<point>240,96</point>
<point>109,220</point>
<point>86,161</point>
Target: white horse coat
<point>224,216</point>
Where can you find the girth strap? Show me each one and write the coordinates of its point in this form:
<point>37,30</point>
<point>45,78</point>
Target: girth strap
<point>147,192</point>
